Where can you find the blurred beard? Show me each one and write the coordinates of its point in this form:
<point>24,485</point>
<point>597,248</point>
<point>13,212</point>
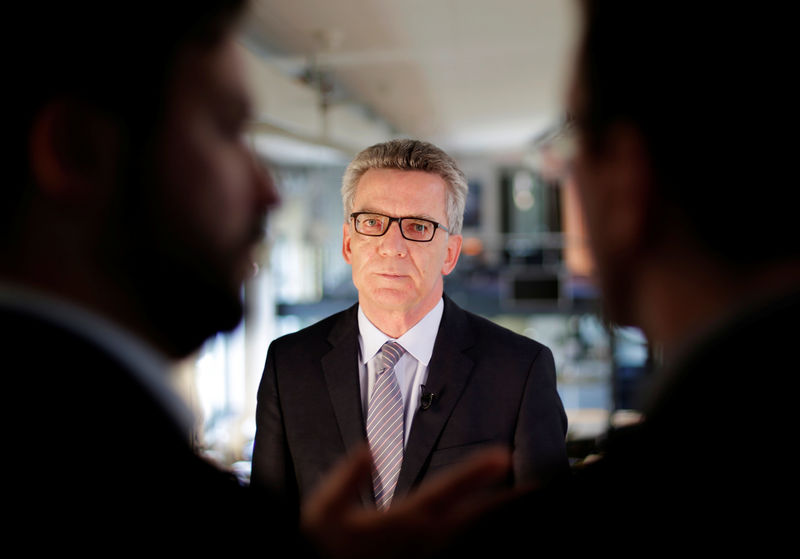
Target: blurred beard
<point>185,296</point>
<point>185,303</point>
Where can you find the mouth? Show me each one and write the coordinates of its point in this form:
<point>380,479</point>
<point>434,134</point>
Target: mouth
<point>390,275</point>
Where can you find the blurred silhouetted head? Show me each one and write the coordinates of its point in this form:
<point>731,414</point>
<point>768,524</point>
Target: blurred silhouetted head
<point>138,112</point>
<point>114,57</point>
<point>710,89</point>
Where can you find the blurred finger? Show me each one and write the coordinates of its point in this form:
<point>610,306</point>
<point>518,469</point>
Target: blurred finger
<point>341,486</point>
<point>479,472</point>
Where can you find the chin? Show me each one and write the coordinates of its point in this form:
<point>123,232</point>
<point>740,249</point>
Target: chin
<point>392,299</point>
<point>194,311</point>
<point>204,323</point>
<point>226,314</point>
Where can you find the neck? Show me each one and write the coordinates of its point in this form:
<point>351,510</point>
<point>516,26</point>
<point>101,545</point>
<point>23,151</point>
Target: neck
<point>74,276</point>
<point>396,322</point>
<point>682,300</point>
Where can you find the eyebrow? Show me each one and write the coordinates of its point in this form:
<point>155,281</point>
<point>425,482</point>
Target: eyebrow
<point>423,216</point>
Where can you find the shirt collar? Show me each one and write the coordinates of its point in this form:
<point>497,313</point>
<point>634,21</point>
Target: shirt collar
<point>418,340</point>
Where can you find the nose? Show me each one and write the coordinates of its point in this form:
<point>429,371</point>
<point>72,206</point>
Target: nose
<point>266,192</point>
<point>392,242</point>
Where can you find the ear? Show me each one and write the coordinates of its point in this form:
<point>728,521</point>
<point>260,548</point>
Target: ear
<point>73,150</point>
<point>453,251</point>
<point>346,243</point>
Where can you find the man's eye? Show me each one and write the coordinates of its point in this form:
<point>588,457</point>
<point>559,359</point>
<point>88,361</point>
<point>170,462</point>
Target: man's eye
<point>371,222</point>
<point>417,227</point>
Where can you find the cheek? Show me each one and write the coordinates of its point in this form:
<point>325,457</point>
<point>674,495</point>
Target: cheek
<point>226,186</point>
<point>586,190</point>
<point>361,258</point>
<point>210,192</point>
<point>428,264</point>
<point>599,238</point>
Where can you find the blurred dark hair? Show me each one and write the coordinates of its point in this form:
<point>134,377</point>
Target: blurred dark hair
<point>709,87</point>
<point>115,57</point>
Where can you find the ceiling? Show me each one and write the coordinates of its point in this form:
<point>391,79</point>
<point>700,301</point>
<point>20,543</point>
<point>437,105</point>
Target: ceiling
<point>473,76</point>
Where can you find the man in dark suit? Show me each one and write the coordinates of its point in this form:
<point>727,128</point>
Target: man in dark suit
<point>686,187</point>
<point>463,381</point>
<point>130,208</point>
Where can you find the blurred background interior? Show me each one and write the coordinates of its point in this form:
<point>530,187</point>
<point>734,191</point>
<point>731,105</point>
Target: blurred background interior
<point>486,82</point>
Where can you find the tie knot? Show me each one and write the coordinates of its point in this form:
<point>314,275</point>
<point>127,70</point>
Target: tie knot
<point>390,354</point>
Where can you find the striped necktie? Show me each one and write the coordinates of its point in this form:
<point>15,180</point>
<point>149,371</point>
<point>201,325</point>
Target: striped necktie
<point>385,425</point>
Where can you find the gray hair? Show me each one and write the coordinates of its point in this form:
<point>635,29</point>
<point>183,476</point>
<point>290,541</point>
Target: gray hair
<point>410,155</point>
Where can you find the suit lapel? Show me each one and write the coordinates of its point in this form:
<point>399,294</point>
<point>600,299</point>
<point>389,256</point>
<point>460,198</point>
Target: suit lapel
<point>448,373</point>
<point>340,370</point>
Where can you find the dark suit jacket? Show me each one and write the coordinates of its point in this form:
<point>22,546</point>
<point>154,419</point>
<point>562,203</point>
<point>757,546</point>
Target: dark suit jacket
<point>491,386</point>
<point>93,463</point>
<point>706,470</point>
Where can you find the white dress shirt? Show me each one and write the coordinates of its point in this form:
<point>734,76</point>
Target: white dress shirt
<point>412,368</point>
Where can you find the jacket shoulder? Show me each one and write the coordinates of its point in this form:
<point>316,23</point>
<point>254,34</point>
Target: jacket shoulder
<point>488,332</point>
<point>322,332</point>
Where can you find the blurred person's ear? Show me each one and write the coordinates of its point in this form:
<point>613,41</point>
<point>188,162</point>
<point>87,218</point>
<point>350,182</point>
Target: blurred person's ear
<point>73,150</point>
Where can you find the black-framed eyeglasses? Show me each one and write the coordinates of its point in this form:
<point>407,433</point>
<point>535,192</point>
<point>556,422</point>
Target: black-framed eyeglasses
<point>414,229</point>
